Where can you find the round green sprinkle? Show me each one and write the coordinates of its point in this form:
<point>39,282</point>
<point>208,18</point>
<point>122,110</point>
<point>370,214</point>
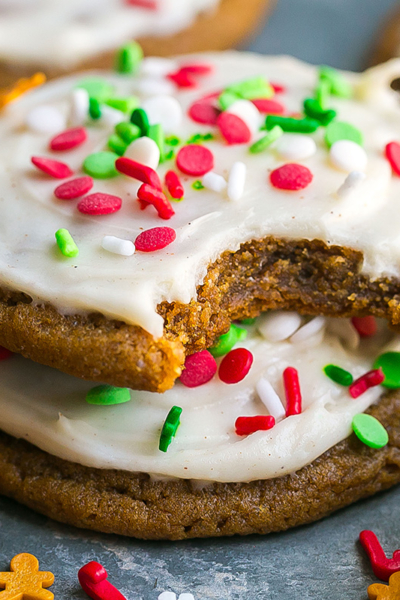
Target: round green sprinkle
<point>156,133</point>
<point>94,109</point>
<point>125,105</point>
<point>340,130</point>
<point>313,109</point>
<point>99,89</point>
<point>227,341</point>
<point>370,431</point>
<point>389,362</point>
<point>172,140</point>
<point>292,125</point>
<point>117,144</point>
<point>267,140</point>
<point>338,85</point>
<point>170,428</point>
<point>129,58</point>
<point>66,243</point>
<point>140,119</point>
<point>101,165</point>
<point>127,131</point>
<point>197,185</point>
<point>338,375</point>
<point>107,395</point>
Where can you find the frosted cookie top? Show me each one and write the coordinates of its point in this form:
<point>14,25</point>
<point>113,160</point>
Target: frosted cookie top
<point>244,175</point>
<point>53,33</point>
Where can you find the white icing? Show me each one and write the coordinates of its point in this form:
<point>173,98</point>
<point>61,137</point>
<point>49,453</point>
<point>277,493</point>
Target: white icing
<point>206,222</point>
<point>54,33</point>
<point>48,408</point>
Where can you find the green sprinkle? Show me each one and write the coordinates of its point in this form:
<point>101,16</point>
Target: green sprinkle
<point>313,109</point>
<point>267,140</point>
<point>207,137</point>
<point>140,119</point>
<point>94,109</point>
<point>172,140</point>
<point>107,395</point>
<point>227,341</point>
<point>101,165</point>
<point>198,138</point>
<point>156,133</point>
<point>99,89</point>
<point>291,124</point>
<point>322,94</point>
<point>337,83</point>
<point>170,428</point>
<point>127,131</point>
<point>125,105</point>
<point>117,144</point>
<point>170,155</point>
<point>129,58</point>
<point>226,99</point>
<point>253,88</point>
<point>340,130</point>
<point>370,431</point>
<point>338,375</point>
<point>389,362</point>
<point>66,243</point>
<point>197,185</point>
<point>250,321</point>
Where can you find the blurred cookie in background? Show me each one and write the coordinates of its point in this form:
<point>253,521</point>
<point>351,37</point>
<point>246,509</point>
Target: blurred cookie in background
<point>388,45</point>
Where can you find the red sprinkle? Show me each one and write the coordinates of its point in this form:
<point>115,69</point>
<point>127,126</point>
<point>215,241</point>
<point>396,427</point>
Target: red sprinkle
<point>197,69</point>
<point>199,369</point>
<point>195,160</point>
<point>292,391</point>
<point>74,188</point>
<point>149,4</point>
<point>269,107</point>
<point>136,170</point>
<point>155,239</point>
<point>183,79</point>
<point>363,383</point>
<point>366,326</point>
<point>235,365</point>
<point>291,177</point>
<point>5,353</point>
<point>148,194</point>
<point>99,204</point>
<point>382,566</point>
<point>392,153</point>
<point>174,185</point>
<point>204,113</point>
<point>51,167</point>
<point>69,139</point>
<point>233,129</point>
<point>278,88</point>
<point>249,425</point>
<point>93,580</point>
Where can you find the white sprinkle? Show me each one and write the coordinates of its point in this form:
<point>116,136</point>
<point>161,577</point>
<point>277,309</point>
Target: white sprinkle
<point>270,399</point>
<point>45,119</point>
<point>348,156</point>
<point>308,330</point>
<point>213,181</point>
<point>111,116</point>
<point>167,596</point>
<point>155,86</point>
<point>79,108</point>
<point>165,111</point>
<point>345,330</point>
<point>245,110</point>
<point>350,183</point>
<point>186,596</point>
<point>278,325</point>
<point>237,181</point>
<point>118,246</point>
<point>296,147</point>
<point>155,66</point>
<point>145,151</point>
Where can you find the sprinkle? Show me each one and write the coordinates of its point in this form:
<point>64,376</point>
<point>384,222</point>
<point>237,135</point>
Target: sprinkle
<point>313,109</point>
<point>226,99</point>
<point>382,566</point>
<point>348,156</point>
<point>110,117</point>
<point>247,111</point>
<point>197,68</point>
<point>144,151</point>
<point>197,185</point>
<point>195,160</point>
<point>340,130</point>
<point>233,129</point>
<point>389,363</point>
<point>363,383</point>
<point>277,326</point>
<point>45,119</point>
<point>93,580</point>
<point>5,354</point>
<point>345,331</point>
<point>237,181</point>
<point>253,88</point>
<point>118,246</point>
<point>296,146</point>
<point>128,58</point>
<point>167,596</point>
<point>308,330</point>
<point>365,326</point>
<point>322,93</point>
<point>170,428</point>
<point>249,425</point>
<point>182,79</point>
<point>99,204</point>
<point>270,399</point>
<point>156,134</point>
<point>269,107</point>
<point>21,87</point>
<point>291,176</point>
<point>124,105</point>
<point>174,185</point>
<point>266,141</point>
<point>235,365</point>
<point>72,138</point>
<point>127,131</point>
<point>66,243</point>
<point>337,83</point>
<point>155,239</point>
<point>213,181</point>
<point>148,4</point>
<point>292,391</point>
<point>79,110</point>
<point>165,111</point>
<point>172,140</point>
<point>116,144</point>
<point>95,111</point>
<point>392,153</point>
<point>199,369</point>
<point>338,375</point>
<point>148,194</point>
<point>228,340</point>
<point>278,88</point>
<point>99,89</point>
<point>370,431</point>
<point>249,321</point>
<point>54,168</point>
<point>170,155</point>
<point>351,182</point>
<point>108,395</point>
<point>138,171</point>
<point>101,165</point>
<point>70,190</point>
<point>292,125</point>
<point>204,113</point>
<point>140,119</point>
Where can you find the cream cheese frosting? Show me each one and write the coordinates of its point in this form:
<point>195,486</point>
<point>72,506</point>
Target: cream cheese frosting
<point>53,33</point>
<point>48,409</point>
<point>206,222</point>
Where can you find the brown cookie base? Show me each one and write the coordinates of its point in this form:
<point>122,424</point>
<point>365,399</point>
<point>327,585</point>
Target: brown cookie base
<point>388,45</point>
<point>133,505</point>
<point>307,276</point>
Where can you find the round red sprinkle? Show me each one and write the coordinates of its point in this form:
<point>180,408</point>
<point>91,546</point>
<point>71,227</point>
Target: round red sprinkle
<point>366,326</point>
<point>155,239</point>
<point>197,68</point>
<point>363,383</point>
<point>69,139</point>
<point>199,369</point>
<point>233,129</point>
<point>269,107</point>
<point>174,185</point>
<point>99,204</point>
<point>51,167</point>
<point>195,160</point>
<point>392,152</point>
<point>74,188</point>
<point>5,353</point>
<point>235,365</point>
<point>249,425</point>
<point>150,195</point>
<point>291,177</point>
<point>204,113</point>
<point>183,79</point>
<point>138,171</point>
